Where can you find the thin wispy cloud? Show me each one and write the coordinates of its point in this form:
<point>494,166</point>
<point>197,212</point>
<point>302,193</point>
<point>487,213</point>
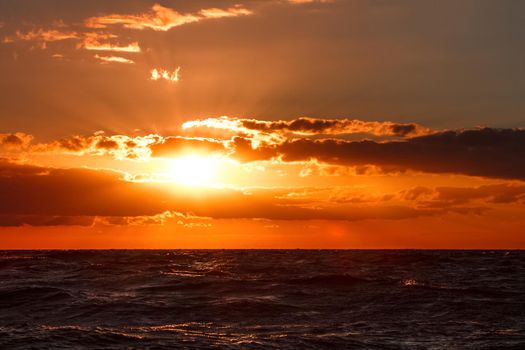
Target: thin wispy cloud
<point>99,46</point>
<point>114,59</point>
<point>42,35</point>
<point>221,13</point>
<point>162,18</point>
<point>102,42</point>
<point>92,41</point>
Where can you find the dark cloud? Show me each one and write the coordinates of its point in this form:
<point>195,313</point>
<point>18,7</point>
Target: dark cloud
<point>311,126</point>
<point>107,144</point>
<point>448,196</point>
<point>17,140</point>
<point>487,152</point>
<point>335,126</point>
<point>10,169</point>
<point>35,195</point>
<point>45,220</point>
<point>73,143</point>
<point>245,152</point>
<point>12,139</point>
<point>118,146</point>
<point>98,144</point>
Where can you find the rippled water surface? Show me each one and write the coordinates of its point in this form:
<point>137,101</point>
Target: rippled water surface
<point>254,299</point>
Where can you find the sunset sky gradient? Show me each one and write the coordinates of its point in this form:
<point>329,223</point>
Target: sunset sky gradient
<point>262,124</point>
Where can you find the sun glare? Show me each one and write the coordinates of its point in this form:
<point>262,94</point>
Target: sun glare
<point>194,170</point>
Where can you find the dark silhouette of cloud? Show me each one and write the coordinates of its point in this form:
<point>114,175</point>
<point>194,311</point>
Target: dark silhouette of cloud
<point>34,195</point>
<point>487,152</point>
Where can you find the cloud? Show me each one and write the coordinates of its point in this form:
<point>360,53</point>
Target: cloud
<point>79,220</point>
<point>99,144</point>
<point>504,193</point>
<point>89,40</point>
<point>45,220</point>
<point>34,190</point>
<point>114,59</point>
<point>322,169</point>
<point>158,219</point>
<point>46,35</point>
<point>496,153</point>
<point>127,147</point>
<point>162,18</point>
<point>174,146</point>
<point>50,196</point>
<point>132,47</point>
<point>18,140</point>
<point>118,146</point>
<point>310,126</point>
<point>157,74</point>
<point>244,150</point>
<point>8,168</point>
<point>94,43</point>
<point>221,13</point>
<point>486,152</point>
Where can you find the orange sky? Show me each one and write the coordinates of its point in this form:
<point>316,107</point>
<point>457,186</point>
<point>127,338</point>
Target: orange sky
<point>222,125</point>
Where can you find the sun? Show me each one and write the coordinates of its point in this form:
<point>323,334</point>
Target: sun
<point>194,170</point>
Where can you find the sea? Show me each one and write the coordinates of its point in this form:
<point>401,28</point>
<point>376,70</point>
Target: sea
<point>262,299</point>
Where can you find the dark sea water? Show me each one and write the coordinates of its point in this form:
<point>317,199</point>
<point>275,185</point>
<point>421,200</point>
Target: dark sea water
<point>286,299</point>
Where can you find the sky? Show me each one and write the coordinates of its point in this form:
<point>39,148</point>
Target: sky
<point>348,124</point>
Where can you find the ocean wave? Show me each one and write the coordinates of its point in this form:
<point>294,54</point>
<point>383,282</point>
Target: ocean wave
<point>262,299</point>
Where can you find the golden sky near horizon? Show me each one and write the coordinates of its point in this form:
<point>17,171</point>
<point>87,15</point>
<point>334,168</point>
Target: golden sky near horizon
<point>261,124</point>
